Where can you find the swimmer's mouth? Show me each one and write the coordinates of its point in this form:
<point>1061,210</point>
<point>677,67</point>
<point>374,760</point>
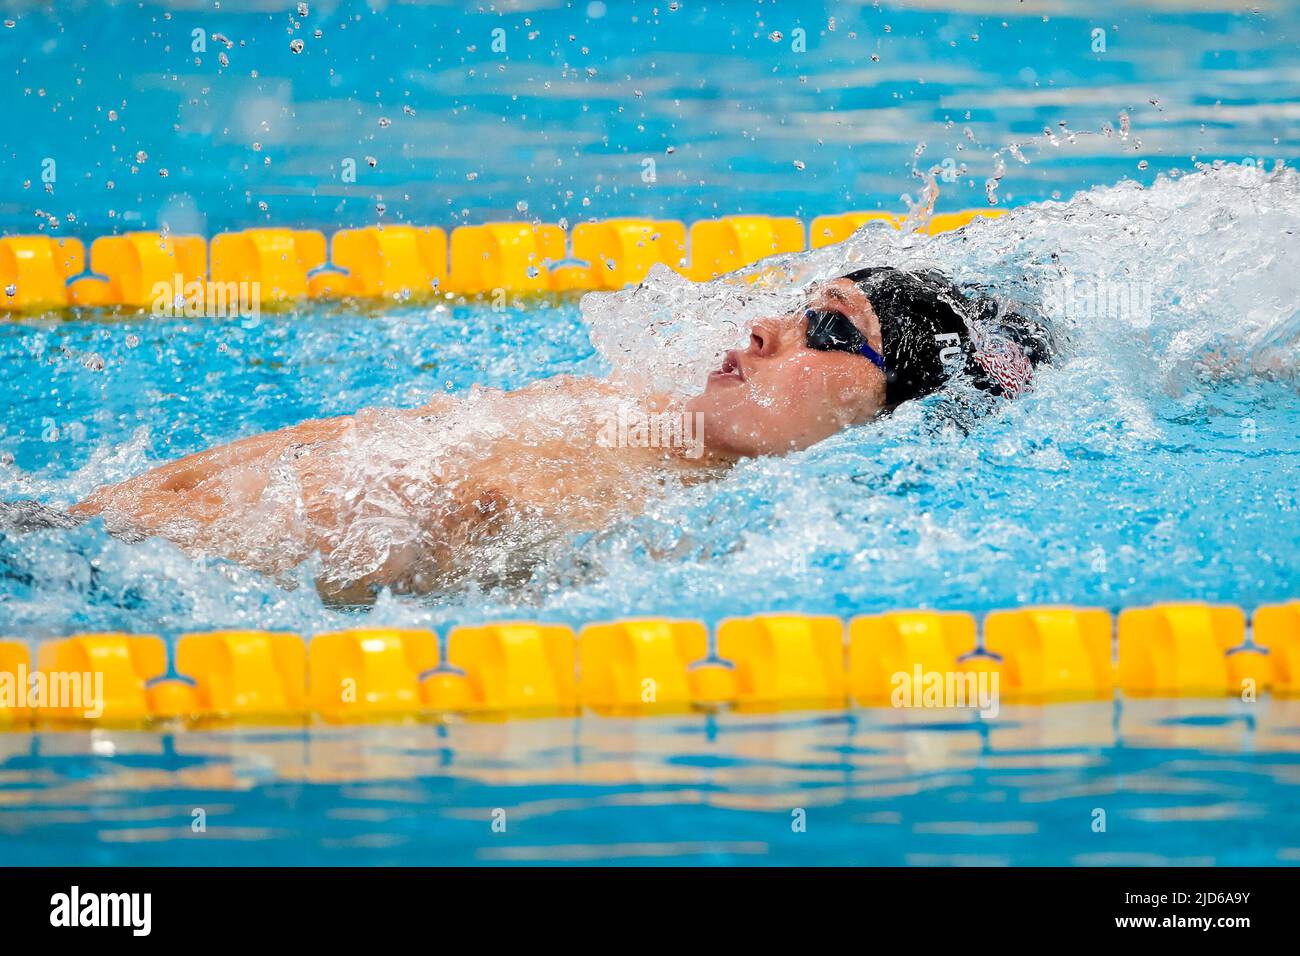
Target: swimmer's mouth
<point>730,370</point>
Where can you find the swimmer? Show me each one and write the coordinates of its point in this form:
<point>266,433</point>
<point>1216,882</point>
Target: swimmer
<point>366,495</point>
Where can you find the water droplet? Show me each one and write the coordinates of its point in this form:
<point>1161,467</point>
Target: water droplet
<point>385,122</point>
<point>471,176</point>
<point>132,340</point>
<point>372,162</point>
<point>141,156</point>
<point>408,111</point>
<point>798,164</point>
<point>93,361</point>
<point>163,172</point>
<point>223,59</point>
<point>776,36</point>
<point>112,116</point>
<point>11,289</point>
<point>296,45</point>
<point>302,9</point>
<point>522,205</point>
<point>1143,164</point>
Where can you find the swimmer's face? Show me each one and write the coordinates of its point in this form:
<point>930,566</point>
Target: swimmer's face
<point>779,395</point>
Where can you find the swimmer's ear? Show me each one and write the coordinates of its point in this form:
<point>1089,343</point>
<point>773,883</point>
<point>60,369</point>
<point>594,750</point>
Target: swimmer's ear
<point>848,406</point>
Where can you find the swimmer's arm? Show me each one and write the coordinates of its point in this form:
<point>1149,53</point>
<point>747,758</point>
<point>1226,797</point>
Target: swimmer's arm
<point>141,493</point>
<point>476,511</point>
<point>185,474</point>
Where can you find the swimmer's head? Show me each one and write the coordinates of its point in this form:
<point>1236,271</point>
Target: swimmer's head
<point>861,345</point>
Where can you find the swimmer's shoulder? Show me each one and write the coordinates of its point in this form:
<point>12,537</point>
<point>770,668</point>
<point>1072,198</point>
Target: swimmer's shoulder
<point>436,405</point>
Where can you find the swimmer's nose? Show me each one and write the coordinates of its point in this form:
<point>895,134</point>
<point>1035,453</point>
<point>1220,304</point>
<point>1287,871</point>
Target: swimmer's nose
<point>764,337</point>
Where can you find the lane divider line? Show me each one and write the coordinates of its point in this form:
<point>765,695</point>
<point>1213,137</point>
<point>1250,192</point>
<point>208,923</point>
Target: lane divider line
<point>149,270</point>
<point>1033,655</point>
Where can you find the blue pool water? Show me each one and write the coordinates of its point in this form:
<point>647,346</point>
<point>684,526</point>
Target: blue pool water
<point>1179,783</point>
<point>559,124</point>
<point>1153,461</point>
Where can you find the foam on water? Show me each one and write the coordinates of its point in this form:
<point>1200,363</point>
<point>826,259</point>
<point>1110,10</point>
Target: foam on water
<point>1149,463</point>
<point>1196,271</point>
<point>1132,472</point>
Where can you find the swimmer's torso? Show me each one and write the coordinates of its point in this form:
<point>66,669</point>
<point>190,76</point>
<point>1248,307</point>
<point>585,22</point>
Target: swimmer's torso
<point>407,499</point>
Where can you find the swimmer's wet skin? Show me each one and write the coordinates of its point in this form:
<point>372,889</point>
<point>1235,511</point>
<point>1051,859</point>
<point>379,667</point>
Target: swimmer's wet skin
<point>861,345</point>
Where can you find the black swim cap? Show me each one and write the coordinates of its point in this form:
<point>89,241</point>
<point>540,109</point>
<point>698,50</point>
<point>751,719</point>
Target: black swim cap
<point>929,333</point>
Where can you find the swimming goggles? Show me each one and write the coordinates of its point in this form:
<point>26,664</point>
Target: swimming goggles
<point>833,331</point>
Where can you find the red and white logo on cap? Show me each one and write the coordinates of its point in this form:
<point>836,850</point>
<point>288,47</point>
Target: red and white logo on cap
<point>1004,362</point>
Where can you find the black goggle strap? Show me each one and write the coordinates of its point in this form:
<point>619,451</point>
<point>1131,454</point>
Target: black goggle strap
<point>861,348</point>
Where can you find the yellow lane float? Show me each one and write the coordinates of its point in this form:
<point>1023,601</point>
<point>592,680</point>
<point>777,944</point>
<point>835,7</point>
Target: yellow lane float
<point>651,665</point>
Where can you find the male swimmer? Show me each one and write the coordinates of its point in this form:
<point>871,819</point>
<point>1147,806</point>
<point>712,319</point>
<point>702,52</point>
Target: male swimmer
<point>381,509</point>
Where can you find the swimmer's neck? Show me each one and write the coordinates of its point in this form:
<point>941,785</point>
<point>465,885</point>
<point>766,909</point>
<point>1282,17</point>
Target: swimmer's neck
<point>690,453</point>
